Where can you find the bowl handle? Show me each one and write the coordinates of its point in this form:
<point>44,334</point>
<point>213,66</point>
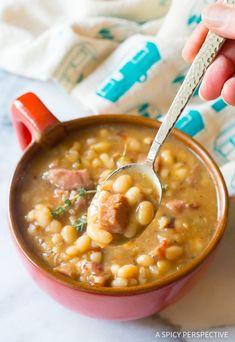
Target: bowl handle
<point>31,119</point>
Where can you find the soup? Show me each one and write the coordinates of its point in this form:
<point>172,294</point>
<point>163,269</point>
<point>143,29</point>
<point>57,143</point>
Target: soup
<point>74,237</point>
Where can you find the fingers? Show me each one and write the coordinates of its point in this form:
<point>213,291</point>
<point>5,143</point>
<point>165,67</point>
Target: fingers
<point>228,50</point>
<point>219,78</point>
<point>217,74</point>
<point>194,43</point>
<point>228,91</point>
<point>220,19</point>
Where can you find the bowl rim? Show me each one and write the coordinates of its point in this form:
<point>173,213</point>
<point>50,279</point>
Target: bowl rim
<point>193,145</point>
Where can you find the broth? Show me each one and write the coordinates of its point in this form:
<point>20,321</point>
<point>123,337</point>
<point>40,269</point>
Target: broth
<point>57,188</point>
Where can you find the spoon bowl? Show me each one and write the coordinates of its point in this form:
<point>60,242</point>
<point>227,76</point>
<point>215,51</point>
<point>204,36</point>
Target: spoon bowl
<point>141,172</point>
<point>146,172</point>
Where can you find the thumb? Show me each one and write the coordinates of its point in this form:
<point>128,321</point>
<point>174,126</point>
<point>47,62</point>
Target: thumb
<point>220,19</point>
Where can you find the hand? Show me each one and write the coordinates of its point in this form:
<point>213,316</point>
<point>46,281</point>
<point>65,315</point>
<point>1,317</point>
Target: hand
<point>220,76</point>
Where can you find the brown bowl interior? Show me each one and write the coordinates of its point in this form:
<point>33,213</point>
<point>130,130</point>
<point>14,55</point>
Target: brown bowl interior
<point>138,121</point>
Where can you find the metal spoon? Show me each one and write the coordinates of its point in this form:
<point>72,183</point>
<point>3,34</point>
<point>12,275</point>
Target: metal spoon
<point>204,58</point>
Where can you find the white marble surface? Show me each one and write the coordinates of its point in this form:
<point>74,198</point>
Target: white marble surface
<point>29,315</point>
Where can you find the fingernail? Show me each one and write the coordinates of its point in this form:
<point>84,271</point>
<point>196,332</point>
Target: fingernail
<point>200,94</point>
<point>216,14</point>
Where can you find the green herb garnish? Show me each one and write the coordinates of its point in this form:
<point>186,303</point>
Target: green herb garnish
<point>83,192</point>
<point>123,155</point>
<point>81,223</point>
<point>165,187</point>
<point>68,202</point>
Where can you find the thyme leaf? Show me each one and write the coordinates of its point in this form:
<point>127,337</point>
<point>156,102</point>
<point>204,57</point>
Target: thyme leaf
<point>82,192</point>
<point>80,224</point>
<point>123,155</point>
<point>68,202</point>
<point>165,187</point>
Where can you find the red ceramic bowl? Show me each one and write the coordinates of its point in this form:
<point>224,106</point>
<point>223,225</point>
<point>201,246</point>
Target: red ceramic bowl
<point>36,126</point>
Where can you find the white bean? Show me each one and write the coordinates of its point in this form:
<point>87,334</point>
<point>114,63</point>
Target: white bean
<point>148,140</point>
<point>174,252</point>
<point>163,222</point>
<point>114,269</point>
<point>145,260</point>
<point>102,146</point>
<point>31,216</point>
<point>83,243</point>
<point>119,282</point>
<point>43,216</point>
<point>180,174</point>
<point>96,163</point>
<point>134,145</point>
<point>72,155</point>
<point>69,234</point>
<point>122,183</point>
<point>133,195</point>
<point>96,257</point>
<point>100,236</point>
<point>167,157</point>
<point>107,161</point>
<point>163,266</point>
<point>131,230</point>
<point>145,213</point>
<point>57,239</point>
<point>128,271</point>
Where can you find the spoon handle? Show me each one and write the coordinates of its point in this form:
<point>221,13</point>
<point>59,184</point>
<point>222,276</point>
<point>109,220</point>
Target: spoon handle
<point>204,58</point>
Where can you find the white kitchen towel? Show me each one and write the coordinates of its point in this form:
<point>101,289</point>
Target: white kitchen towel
<point>117,56</point>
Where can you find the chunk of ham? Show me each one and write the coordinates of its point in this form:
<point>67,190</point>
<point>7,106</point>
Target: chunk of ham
<point>177,206</point>
<point>93,272</point>
<point>193,175</point>
<point>92,267</point>
<point>113,213</point>
<point>69,179</point>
